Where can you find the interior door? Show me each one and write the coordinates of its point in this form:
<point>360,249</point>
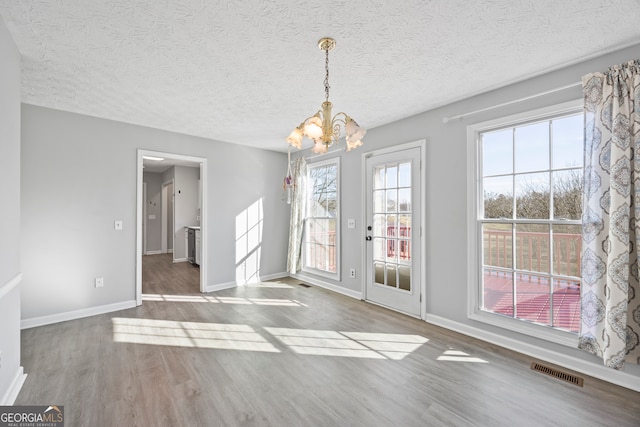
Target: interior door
<point>393,230</point>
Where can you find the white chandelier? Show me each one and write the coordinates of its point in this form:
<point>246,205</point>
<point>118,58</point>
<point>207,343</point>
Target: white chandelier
<point>321,128</point>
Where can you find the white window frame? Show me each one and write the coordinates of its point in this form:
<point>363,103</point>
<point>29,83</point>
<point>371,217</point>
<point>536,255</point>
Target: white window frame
<point>474,230</point>
<point>334,276</point>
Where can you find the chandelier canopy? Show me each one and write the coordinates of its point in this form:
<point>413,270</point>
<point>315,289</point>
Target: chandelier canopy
<point>323,129</point>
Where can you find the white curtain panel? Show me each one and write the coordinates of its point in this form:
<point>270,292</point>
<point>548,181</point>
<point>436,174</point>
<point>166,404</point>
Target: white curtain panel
<point>298,208</point>
<point>610,298</point>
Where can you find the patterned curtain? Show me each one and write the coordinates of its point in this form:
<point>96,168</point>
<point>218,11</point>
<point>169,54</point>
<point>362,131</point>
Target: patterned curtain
<point>296,224</point>
<point>610,296</point>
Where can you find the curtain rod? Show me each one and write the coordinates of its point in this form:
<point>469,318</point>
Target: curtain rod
<point>504,104</point>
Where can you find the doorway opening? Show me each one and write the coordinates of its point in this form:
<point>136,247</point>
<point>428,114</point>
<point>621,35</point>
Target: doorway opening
<point>171,200</point>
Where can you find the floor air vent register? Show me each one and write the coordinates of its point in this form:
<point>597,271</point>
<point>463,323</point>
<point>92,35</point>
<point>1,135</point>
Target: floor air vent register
<point>557,373</point>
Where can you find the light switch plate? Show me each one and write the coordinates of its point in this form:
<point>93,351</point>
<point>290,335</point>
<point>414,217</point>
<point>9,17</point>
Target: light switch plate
<point>351,223</point>
<point>117,225</point>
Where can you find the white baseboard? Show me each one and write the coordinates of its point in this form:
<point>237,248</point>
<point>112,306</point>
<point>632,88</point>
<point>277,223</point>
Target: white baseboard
<point>268,277</point>
<point>76,314</point>
<point>169,251</point>
<point>221,286</point>
<point>229,285</point>
<point>322,284</point>
<point>177,260</point>
<point>11,394</point>
<point>153,252</point>
<point>613,376</point>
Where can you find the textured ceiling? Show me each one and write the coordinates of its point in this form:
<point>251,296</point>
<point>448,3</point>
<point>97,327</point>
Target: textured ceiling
<point>247,72</point>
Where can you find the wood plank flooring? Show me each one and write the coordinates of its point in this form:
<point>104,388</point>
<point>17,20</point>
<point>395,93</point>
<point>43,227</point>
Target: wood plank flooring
<point>280,354</point>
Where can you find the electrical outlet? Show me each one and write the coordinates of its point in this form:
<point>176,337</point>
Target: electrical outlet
<point>352,273</point>
<point>99,281</point>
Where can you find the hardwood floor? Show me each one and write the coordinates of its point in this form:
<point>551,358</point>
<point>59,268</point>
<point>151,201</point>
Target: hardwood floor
<point>161,276</point>
<point>280,354</point>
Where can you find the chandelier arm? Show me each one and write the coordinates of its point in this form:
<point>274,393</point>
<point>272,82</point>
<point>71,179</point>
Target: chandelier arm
<point>337,118</point>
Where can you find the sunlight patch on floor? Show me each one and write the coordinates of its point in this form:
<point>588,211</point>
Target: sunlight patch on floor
<point>459,356</point>
<point>348,344</point>
<point>189,334</point>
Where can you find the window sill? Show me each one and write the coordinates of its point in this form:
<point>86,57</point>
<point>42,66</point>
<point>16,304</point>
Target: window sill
<point>523,327</point>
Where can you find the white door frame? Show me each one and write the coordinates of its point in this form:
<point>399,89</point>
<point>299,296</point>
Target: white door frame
<point>422,144</point>
<point>139,214</point>
<point>165,226</point>
<point>144,217</point>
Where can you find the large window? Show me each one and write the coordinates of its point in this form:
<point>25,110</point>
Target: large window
<point>322,225</point>
<point>528,218</point>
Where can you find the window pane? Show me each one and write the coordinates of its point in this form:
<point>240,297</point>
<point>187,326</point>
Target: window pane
<point>567,194</point>
<point>404,279</point>
<point>498,292</point>
<point>532,298</point>
<point>391,226</point>
<point>532,247</point>
<point>404,200</point>
<point>568,141</point>
<point>379,225</point>
<point>532,147</point>
<point>392,253</point>
<point>378,201</point>
<point>567,241</point>
<point>497,243</point>
<point>378,177</point>
<point>404,251</point>
<point>391,275</point>
<point>405,226</point>
<point>532,196</point>
<point>392,200</point>
<point>497,152</point>
<point>404,175</point>
<point>498,197</point>
<point>566,305</point>
<point>378,272</point>
<point>331,203</point>
<point>392,176</point>
<point>378,249</point>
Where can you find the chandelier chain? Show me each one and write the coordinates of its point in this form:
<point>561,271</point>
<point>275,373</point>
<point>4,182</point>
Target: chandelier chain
<point>326,77</point>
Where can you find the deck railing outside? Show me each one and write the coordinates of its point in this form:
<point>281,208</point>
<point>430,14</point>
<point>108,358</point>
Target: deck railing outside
<point>533,251</point>
<point>531,294</point>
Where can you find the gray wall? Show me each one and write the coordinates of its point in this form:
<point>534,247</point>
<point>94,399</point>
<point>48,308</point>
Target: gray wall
<point>10,212</point>
<point>154,207</point>
<point>79,175</point>
<point>446,191</point>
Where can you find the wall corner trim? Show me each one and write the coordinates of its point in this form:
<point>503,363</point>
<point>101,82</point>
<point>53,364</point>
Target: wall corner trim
<point>603,373</point>
<point>221,286</point>
<point>11,394</point>
<point>75,314</point>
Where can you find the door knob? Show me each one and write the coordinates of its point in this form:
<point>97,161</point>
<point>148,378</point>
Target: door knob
<point>368,238</point>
